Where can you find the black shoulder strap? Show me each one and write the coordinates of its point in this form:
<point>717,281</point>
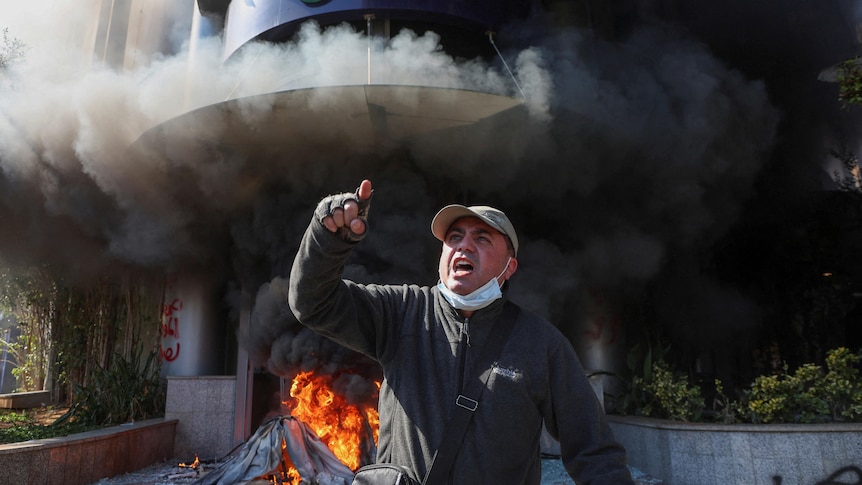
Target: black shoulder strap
<point>468,401</point>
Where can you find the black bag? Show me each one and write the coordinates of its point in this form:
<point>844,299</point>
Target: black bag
<point>383,474</point>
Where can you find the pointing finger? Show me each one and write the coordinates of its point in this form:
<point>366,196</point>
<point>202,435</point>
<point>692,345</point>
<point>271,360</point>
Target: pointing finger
<point>364,191</point>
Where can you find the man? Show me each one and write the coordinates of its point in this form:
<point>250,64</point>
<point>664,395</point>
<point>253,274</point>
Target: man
<point>427,338</point>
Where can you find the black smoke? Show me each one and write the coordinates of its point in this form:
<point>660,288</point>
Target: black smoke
<point>638,152</point>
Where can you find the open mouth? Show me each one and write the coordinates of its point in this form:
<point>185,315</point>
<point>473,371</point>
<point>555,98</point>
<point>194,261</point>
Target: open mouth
<point>462,266</point>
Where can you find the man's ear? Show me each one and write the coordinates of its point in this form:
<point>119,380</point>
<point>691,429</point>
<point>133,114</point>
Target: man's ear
<point>511,268</point>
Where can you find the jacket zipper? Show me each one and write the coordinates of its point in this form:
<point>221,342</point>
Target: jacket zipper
<point>462,357</point>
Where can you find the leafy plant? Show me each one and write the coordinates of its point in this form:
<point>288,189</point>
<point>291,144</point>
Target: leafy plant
<point>27,294</point>
<point>669,396</point>
<point>785,398</point>
<point>809,395</point>
<point>640,367</point>
<point>14,417</point>
<point>130,390</point>
<point>18,426</point>
<point>652,389</point>
<point>724,408</point>
<point>850,81</point>
<point>842,386</point>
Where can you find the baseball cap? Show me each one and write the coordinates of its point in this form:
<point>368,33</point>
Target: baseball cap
<point>493,217</point>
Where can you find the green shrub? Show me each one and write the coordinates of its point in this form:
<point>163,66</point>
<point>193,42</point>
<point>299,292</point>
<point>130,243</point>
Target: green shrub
<point>25,425</point>
<point>35,431</point>
<point>668,396</point>
<point>809,395</point>
<point>640,364</point>
<point>842,386</point>
<point>724,408</point>
<point>14,417</point>
<point>850,81</point>
<point>786,398</point>
<point>130,390</point>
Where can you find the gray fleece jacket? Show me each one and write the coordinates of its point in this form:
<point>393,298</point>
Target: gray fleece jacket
<point>418,338</point>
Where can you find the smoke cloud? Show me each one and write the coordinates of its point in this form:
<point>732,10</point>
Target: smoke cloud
<point>646,150</point>
<point>627,155</point>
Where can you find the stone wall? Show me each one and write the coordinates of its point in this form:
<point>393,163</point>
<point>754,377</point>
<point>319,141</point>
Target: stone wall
<point>204,407</point>
<point>84,458</point>
<point>714,454</point>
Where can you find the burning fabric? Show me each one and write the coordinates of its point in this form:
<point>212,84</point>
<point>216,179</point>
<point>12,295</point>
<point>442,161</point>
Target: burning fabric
<point>263,454</point>
<point>320,438</point>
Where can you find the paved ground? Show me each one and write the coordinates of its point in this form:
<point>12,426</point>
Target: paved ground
<point>168,473</point>
<point>158,474</point>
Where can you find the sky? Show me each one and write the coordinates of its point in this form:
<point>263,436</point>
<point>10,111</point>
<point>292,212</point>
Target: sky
<point>631,158</point>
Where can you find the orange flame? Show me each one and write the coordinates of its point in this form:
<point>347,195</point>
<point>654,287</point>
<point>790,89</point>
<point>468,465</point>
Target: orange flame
<point>340,425</point>
<point>193,465</point>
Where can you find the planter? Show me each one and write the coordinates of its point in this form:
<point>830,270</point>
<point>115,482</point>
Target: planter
<point>717,454</point>
<point>84,458</point>
<point>24,400</point>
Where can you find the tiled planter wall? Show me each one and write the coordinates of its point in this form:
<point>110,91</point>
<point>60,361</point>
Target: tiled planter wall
<point>715,454</point>
<point>204,406</point>
<point>85,458</point>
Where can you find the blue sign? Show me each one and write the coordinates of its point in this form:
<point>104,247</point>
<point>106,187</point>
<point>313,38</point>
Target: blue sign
<point>278,20</point>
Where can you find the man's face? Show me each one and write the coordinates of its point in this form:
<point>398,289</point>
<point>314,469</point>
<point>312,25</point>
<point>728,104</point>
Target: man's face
<point>473,253</point>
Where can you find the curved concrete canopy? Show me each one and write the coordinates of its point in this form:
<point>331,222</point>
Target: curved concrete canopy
<point>322,121</point>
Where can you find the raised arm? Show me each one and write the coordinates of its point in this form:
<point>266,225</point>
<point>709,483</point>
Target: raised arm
<point>318,296</point>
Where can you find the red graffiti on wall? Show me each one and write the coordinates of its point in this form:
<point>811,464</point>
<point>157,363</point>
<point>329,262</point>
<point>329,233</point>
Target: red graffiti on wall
<point>171,329</point>
<point>605,325</point>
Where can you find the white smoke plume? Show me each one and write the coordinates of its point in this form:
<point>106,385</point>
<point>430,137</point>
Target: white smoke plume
<point>68,121</point>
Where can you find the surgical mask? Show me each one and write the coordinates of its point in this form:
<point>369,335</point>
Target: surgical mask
<point>479,298</point>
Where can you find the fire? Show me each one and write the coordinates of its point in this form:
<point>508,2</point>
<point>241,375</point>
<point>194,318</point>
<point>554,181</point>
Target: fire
<point>193,465</point>
<point>340,425</point>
